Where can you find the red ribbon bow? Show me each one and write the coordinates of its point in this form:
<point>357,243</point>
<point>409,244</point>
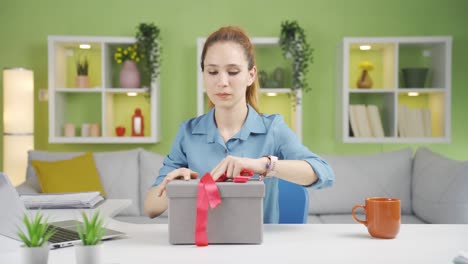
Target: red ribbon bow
<point>208,193</point>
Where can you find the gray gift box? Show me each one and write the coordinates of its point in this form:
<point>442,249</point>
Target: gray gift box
<point>237,220</point>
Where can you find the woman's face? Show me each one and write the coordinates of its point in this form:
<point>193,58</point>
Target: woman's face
<point>226,74</point>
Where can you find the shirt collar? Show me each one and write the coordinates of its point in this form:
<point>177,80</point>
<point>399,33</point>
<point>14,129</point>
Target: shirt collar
<point>253,124</point>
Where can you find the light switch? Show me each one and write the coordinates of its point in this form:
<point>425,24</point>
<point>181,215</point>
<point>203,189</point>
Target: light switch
<point>43,95</point>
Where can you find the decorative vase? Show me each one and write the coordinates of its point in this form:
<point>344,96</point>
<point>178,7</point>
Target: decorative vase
<point>364,81</point>
<point>129,75</point>
<point>415,77</point>
<point>88,254</point>
<point>82,81</point>
<point>35,255</point>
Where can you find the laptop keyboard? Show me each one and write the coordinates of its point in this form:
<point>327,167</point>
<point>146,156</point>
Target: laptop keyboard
<point>63,235</point>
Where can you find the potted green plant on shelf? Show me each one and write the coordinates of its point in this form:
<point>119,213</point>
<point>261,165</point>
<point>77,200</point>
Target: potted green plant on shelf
<point>82,79</point>
<point>90,232</point>
<point>148,41</point>
<point>295,47</point>
<point>35,235</point>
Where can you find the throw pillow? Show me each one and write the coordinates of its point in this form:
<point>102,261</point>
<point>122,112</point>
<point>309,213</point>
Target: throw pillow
<point>118,171</point>
<point>440,188</point>
<point>78,174</point>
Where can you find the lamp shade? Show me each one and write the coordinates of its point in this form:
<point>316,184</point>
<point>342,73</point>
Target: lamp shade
<point>18,101</point>
<point>18,121</point>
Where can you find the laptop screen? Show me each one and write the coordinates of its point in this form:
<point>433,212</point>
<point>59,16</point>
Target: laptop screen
<point>11,207</point>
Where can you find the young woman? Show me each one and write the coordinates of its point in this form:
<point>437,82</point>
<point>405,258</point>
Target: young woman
<point>233,136</point>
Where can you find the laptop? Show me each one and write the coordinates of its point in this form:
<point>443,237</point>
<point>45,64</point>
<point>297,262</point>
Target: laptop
<point>13,210</point>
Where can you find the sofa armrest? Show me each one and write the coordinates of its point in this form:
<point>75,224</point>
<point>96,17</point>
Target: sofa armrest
<point>27,188</point>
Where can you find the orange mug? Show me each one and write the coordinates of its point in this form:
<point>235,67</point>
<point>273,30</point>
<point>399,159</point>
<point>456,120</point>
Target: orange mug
<point>383,216</point>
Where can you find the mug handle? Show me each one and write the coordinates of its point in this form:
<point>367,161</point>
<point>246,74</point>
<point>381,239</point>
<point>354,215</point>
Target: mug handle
<point>355,217</point>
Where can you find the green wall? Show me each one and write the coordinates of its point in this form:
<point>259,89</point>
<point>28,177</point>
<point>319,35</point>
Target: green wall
<point>25,25</point>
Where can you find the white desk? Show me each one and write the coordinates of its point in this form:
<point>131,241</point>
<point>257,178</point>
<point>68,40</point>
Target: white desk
<point>318,243</point>
<point>109,208</point>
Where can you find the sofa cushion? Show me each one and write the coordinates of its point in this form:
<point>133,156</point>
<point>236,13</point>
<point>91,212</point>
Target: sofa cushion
<point>118,171</point>
<point>78,174</point>
<point>360,176</point>
<point>150,163</point>
<point>440,187</point>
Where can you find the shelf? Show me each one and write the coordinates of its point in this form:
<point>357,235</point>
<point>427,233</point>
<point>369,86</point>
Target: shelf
<point>411,90</point>
<point>104,104</point>
<point>272,100</point>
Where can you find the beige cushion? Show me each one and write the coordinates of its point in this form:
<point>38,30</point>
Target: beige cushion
<point>440,188</point>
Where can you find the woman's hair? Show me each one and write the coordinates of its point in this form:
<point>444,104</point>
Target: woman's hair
<point>236,35</point>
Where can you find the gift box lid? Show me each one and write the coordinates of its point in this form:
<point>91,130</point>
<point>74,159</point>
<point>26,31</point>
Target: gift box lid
<point>181,188</point>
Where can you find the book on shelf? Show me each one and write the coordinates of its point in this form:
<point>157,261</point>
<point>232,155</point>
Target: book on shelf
<point>414,122</point>
<point>366,121</point>
<point>427,122</point>
<point>363,121</point>
<point>375,121</point>
<point>61,200</point>
<point>402,120</point>
<point>353,121</point>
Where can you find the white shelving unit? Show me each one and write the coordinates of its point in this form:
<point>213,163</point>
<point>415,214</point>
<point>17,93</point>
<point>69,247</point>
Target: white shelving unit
<point>429,117</point>
<point>104,103</point>
<point>295,112</point>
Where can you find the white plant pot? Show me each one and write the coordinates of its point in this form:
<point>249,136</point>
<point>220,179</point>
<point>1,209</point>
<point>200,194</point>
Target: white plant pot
<point>88,254</point>
<point>35,255</point>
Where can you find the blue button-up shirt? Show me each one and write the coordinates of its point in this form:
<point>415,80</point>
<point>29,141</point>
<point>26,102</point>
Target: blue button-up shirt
<point>200,147</point>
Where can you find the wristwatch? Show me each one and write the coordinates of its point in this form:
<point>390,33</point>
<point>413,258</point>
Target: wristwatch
<point>271,166</point>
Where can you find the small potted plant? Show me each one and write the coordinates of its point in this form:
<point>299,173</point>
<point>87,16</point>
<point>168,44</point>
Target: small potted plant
<point>35,235</point>
<point>90,232</point>
<point>82,79</point>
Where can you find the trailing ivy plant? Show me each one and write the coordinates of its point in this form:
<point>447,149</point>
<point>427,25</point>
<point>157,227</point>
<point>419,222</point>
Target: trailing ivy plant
<point>148,41</point>
<point>295,47</point>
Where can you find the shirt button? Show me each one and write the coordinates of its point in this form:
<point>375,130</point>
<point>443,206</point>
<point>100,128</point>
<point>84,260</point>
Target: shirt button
<point>225,151</point>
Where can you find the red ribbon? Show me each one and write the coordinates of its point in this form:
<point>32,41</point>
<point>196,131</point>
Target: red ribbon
<point>208,193</point>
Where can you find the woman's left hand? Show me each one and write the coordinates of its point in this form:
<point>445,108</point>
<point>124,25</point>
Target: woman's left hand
<point>232,166</point>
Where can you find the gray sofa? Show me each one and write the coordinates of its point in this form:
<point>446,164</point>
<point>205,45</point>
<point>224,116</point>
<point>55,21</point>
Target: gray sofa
<point>432,188</point>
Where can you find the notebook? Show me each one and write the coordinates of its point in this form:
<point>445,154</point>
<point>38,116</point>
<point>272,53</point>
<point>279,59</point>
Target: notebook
<point>13,210</point>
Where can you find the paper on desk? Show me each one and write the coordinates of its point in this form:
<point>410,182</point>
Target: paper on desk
<point>61,200</point>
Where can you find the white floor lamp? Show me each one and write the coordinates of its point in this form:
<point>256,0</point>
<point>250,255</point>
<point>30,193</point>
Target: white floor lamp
<point>18,121</point>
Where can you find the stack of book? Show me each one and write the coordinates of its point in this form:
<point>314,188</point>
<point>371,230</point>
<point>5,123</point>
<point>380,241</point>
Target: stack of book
<point>365,121</point>
<point>62,200</point>
<point>414,122</point>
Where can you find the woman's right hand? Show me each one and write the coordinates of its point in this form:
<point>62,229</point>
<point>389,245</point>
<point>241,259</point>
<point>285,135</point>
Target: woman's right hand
<point>180,173</point>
